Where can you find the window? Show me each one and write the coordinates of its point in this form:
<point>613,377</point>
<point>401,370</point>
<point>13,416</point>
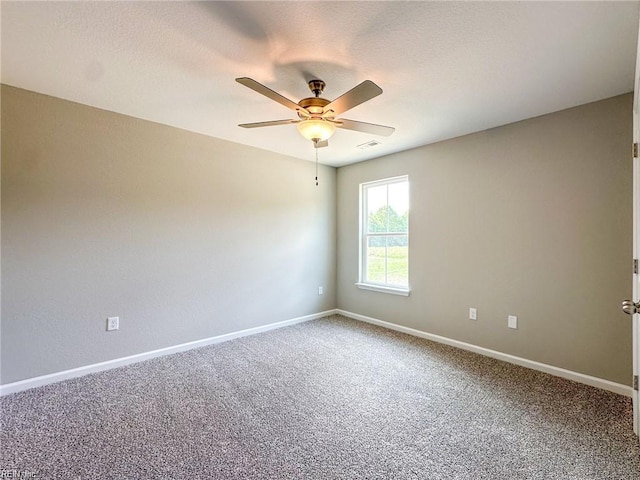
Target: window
<point>384,235</point>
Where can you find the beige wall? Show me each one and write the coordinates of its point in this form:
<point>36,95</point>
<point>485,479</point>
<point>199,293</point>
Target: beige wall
<point>185,237</point>
<point>182,236</point>
<point>532,219</point>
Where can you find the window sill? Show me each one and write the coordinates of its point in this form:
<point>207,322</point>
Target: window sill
<point>382,289</point>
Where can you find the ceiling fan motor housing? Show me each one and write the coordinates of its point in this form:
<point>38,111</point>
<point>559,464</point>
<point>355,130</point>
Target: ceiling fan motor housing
<point>314,105</point>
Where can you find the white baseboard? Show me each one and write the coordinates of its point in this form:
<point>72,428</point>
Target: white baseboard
<point>523,362</point>
<point>140,357</point>
<point>119,362</point>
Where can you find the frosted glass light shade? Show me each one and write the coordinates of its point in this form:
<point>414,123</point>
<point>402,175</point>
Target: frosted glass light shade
<point>316,129</point>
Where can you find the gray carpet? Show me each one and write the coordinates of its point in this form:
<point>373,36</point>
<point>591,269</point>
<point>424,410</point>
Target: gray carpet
<point>327,399</point>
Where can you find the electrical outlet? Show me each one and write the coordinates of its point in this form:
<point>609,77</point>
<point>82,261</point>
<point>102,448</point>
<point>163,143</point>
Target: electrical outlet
<point>320,290</point>
<point>113,323</point>
<point>473,314</point>
<point>512,322</point>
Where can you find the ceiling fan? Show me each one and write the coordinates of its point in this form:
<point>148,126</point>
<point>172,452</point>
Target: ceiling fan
<point>317,116</point>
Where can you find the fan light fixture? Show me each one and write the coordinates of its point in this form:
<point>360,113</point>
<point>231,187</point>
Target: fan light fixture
<point>316,129</point>
<point>319,116</point>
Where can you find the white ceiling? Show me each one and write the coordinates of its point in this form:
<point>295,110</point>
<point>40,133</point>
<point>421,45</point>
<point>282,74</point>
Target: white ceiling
<point>447,69</point>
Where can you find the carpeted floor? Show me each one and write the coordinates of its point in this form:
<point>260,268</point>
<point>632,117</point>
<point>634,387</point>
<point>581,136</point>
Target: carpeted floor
<point>327,399</point>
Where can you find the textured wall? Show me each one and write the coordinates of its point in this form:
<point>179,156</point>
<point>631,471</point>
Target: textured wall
<point>532,219</point>
<point>181,235</point>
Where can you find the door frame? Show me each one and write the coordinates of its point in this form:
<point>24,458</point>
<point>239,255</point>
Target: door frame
<point>635,332</point>
<point>635,318</point>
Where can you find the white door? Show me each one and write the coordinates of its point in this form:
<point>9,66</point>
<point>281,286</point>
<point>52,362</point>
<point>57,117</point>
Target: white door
<point>636,243</point>
<point>632,307</point>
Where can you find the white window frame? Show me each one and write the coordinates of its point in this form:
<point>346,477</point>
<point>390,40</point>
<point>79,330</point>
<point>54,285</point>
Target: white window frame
<point>363,236</point>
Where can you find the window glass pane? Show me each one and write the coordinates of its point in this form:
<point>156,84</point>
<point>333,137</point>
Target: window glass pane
<point>377,209</point>
<point>399,207</point>
<point>385,222</point>
<point>375,258</point>
<point>398,260</point>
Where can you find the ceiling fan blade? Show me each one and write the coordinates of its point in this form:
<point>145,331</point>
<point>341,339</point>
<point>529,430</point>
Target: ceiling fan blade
<point>354,97</point>
<point>364,127</point>
<point>267,92</point>
<point>324,143</point>
<point>268,124</point>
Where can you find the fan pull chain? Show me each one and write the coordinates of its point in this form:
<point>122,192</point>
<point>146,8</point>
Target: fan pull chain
<point>316,167</point>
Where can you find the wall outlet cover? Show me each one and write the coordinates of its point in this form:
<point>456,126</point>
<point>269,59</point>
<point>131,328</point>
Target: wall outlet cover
<point>473,314</point>
<point>512,321</point>
<point>113,323</point>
